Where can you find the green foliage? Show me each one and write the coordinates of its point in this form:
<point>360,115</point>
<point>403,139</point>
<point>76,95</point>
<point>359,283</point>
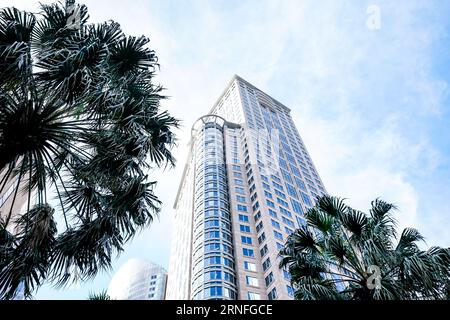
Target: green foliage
<point>80,120</point>
<point>344,254</point>
<point>102,296</point>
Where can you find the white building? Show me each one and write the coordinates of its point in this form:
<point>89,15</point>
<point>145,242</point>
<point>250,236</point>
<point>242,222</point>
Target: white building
<point>138,280</point>
<point>246,185</point>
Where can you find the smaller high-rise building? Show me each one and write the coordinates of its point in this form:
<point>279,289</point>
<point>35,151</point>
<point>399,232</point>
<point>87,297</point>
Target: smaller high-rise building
<point>138,280</point>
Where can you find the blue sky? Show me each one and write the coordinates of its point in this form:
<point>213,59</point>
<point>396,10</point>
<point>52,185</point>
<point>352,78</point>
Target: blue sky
<point>373,106</point>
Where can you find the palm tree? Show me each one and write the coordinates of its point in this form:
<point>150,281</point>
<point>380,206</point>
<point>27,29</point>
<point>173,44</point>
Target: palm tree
<point>102,296</point>
<point>80,124</point>
<point>346,254</point>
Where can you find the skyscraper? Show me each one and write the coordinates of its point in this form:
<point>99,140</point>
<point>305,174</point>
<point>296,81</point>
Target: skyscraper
<point>138,280</point>
<point>247,183</point>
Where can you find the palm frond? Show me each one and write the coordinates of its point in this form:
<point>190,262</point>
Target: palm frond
<point>80,121</point>
<point>130,55</point>
<point>408,239</point>
<point>102,296</point>
<point>334,207</point>
<point>319,220</point>
<point>345,254</point>
<point>355,222</point>
<point>30,260</point>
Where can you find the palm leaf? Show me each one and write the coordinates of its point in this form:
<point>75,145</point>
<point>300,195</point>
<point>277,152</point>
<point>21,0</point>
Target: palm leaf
<point>80,121</point>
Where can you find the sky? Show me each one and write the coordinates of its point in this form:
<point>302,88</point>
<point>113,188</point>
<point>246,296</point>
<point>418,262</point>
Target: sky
<point>367,82</point>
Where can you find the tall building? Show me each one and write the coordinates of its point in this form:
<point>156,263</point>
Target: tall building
<point>138,280</point>
<point>246,185</point>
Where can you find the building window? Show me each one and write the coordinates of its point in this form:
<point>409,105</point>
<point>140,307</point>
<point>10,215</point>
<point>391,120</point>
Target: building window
<point>283,164</point>
<point>212,234</point>
<point>287,176</point>
<point>240,190</point>
<point>249,266</point>
<point>273,294</point>
<point>295,170</point>
<point>287,275</point>
<point>297,207</point>
<point>244,228</point>
<point>241,199</point>
<point>243,218</point>
<point>229,277</point>
<point>267,264</point>
<point>288,222</point>
<point>268,195</point>
<point>214,246</point>
<point>242,208</point>
<point>300,184</point>
<point>211,261</point>
<point>254,296</point>
<point>259,226</point>
<point>252,281</point>
<point>278,186</point>
<point>214,275</point>
<point>275,224</point>
<point>291,190</point>
<point>276,179</point>
<point>248,252</point>
<point>280,194</point>
<point>262,238</point>
<point>301,222</point>
<point>306,199</point>
<point>215,291</point>
<point>288,231</point>
<point>278,235</point>
<point>264,251</point>
<point>285,212</point>
<point>269,279</point>
<point>282,202</point>
<point>273,213</point>
<point>246,240</point>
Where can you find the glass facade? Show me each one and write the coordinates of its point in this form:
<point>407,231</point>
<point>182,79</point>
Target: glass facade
<point>213,259</point>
